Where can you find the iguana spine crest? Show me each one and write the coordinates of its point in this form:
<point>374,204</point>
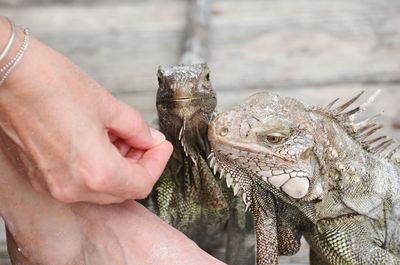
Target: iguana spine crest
<point>362,131</point>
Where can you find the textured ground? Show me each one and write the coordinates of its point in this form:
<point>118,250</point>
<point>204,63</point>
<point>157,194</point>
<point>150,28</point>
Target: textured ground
<point>313,50</point>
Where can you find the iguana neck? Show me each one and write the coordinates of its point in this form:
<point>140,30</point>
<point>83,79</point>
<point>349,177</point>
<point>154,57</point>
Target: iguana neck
<point>360,182</point>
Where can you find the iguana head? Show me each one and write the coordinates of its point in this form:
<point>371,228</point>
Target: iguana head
<point>183,89</point>
<point>296,151</point>
<point>186,103</point>
<point>269,137</point>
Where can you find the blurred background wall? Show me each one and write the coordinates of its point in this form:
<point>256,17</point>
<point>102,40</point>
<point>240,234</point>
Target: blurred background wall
<point>313,50</point>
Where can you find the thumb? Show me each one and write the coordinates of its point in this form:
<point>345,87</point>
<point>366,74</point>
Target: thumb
<point>128,124</point>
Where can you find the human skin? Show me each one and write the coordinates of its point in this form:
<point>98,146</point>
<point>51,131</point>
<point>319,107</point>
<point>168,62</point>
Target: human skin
<point>68,131</point>
<point>44,231</point>
<point>63,138</point>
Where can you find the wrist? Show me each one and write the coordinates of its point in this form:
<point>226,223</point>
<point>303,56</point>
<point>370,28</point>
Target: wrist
<point>12,48</point>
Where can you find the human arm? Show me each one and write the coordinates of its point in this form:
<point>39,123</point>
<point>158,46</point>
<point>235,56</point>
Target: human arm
<point>71,137</point>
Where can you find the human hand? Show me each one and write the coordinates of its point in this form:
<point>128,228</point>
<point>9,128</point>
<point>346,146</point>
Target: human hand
<point>71,137</point>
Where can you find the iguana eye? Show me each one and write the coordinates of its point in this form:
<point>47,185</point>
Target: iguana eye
<point>159,80</point>
<point>276,138</point>
<point>161,107</point>
<point>208,76</point>
<point>224,131</point>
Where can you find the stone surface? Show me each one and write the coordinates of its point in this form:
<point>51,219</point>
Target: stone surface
<point>254,43</point>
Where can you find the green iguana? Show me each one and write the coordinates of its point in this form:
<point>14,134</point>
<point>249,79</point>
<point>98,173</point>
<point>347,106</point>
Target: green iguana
<point>188,195</point>
<point>330,181</point>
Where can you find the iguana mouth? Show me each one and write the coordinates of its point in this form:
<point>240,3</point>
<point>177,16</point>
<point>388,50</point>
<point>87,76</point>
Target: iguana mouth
<point>182,99</point>
<point>294,182</point>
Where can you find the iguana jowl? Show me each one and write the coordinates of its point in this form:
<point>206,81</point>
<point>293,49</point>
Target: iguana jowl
<point>331,182</point>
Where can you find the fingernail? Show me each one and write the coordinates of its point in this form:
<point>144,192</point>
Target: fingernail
<point>157,135</point>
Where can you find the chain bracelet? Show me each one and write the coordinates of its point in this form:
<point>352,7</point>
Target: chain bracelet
<point>7,69</point>
<point>10,41</point>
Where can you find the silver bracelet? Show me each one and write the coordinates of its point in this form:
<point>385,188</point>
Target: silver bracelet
<point>10,41</point>
<point>6,69</point>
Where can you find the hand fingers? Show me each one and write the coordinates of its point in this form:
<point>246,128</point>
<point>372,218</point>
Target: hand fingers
<point>115,178</point>
<point>128,124</point>
<point>155,159</point>
<point>122,146</point>
<point>127,151</point>
<point>112,137</point>
<point>135,154</point>
<point>133,179</point>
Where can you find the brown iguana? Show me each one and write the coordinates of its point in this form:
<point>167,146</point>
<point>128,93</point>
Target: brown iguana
<point>331,182</point>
